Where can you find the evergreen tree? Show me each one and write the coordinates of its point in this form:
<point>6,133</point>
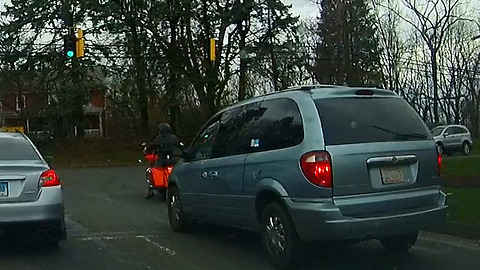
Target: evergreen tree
<point>347,52</point>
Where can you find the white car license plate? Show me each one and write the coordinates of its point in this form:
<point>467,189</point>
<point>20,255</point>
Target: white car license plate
<point>3,189</point>
<point>391,175</point>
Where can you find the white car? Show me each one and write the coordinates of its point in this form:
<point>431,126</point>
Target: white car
<point>31,200</point>
<point>453,138</point>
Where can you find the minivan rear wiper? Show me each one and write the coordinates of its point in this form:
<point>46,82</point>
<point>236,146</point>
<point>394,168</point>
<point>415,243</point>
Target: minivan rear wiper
<point>403,136</point>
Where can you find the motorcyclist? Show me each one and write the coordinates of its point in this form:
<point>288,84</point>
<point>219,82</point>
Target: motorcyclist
<point>163,145</point>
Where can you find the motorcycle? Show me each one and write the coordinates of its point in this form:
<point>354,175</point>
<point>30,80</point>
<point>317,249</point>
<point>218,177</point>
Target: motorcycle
<point>157,177</point>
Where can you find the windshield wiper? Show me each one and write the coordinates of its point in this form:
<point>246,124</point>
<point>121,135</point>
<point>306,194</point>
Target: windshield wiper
<point>403,136</point>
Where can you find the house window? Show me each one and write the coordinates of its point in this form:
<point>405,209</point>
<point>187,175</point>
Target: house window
<point>17,103</point>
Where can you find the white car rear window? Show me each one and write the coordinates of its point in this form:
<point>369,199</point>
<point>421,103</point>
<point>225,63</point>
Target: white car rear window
<point>17,148</point>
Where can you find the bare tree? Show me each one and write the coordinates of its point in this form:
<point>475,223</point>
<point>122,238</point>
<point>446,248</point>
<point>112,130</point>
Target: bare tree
<point>432,19</point>
<point>393,47</point>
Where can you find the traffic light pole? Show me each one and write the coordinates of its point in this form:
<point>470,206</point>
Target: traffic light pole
<point>74,49</point>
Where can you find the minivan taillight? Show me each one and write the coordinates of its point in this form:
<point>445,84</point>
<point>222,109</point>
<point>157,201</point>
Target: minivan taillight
<point>439,164</point>
<point>317,168</point>
<point>49,179</point>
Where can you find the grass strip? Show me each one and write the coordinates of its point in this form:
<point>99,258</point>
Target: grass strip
<point>463,205</point>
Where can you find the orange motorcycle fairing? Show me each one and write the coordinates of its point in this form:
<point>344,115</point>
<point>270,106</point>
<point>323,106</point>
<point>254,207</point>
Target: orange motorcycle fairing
<point>160,176</point>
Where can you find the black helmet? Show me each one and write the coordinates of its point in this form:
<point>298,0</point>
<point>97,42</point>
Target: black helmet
<point>163,128</point>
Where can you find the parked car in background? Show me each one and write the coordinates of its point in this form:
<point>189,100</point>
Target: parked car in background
<point>453,138</point>
<point>312,163</point>
<point>31,200</point>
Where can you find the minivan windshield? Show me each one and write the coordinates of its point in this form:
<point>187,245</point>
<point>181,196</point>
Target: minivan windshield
<point>17,149</point>
<point>365,120</point>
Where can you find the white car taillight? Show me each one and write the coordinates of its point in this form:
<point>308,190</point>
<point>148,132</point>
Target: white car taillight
<point>49,179</point>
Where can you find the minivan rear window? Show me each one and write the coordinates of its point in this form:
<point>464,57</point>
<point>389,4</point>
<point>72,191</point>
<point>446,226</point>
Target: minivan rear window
<point>17,149</point>
<point>365,120</point>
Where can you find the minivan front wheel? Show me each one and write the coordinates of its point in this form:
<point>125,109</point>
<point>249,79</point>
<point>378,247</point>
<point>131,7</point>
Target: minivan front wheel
<point>400,242</point>
<point>466,148</point>
<point>176,216</point>
<point>279,238</point>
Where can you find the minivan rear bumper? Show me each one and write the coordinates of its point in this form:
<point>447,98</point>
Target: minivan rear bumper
<point>318,221</point>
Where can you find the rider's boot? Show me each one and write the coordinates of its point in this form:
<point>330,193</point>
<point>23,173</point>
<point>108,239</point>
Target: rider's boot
<point>149,194</point>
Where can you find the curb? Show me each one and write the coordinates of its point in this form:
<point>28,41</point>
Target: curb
<point>459,229</point>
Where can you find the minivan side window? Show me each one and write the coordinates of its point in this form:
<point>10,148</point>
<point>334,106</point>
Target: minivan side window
<point>233,134</point>
<point>279,125</point>
<point>202,146</point>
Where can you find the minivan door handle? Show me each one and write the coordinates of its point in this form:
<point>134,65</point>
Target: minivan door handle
<point>213,174</point>
<point>203,175</point>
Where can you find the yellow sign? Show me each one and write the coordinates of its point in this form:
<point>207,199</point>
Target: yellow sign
<point>213,55</point>
<point>80,44</point>
<point>12,129</point>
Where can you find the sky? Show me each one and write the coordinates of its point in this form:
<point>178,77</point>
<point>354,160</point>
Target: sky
<point>2,3</point>
<point>302,8</point>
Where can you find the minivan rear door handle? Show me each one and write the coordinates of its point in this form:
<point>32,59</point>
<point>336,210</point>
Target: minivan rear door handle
<point>392,160</point>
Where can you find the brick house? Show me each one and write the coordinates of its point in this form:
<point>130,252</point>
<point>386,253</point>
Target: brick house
<point>28,114</point>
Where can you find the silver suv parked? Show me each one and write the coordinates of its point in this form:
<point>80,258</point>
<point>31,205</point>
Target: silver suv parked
<point>453,138</point>
<point>312,163</point>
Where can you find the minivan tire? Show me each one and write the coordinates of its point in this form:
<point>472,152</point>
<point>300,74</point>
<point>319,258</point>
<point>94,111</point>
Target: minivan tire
<point>400,242</point>
<point>466,148</point>
<point>279,237</point>
<point>176,216</point>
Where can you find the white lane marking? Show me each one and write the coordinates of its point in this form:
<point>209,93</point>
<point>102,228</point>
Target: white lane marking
<point>124,233</point>
<point>164,249</point>
<point>120,236</point>
<point>74,228</point>
<point>110,237</point>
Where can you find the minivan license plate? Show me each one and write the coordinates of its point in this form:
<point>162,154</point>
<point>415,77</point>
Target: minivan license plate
<point>3,189</point>
<point>391,175</point>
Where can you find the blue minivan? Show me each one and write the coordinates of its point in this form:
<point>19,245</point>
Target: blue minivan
<point>312,163</point>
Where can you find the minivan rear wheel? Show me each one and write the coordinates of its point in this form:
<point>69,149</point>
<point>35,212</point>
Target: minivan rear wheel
<point>279,238</point>
<point>400,242</point>
<point>176,216</point>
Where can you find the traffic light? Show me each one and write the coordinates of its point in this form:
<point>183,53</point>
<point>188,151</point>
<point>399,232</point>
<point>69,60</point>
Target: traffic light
<point>70,45</point>
<point>80,44</point>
